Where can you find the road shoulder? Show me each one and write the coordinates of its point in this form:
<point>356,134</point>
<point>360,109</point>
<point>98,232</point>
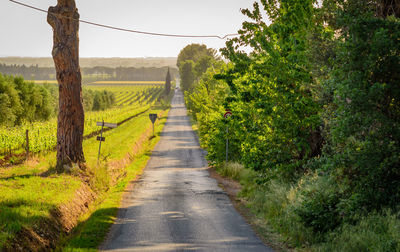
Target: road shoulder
<point>263,231</point>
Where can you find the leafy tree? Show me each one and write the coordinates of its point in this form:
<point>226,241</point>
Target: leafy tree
<point>271,89</point>
<point>23,101</point>
<point>11,108</point>
<point>202,64</point>
<point>326,69</point>
<point>101,100</point>
<point>193,61</point>
<point>187,75</point>
<point>365,126</point>
<point>207,104</point>
<point>194,52</point>
<point>97,102</point>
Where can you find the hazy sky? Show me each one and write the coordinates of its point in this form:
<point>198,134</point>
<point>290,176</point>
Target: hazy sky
<point>25,32</point>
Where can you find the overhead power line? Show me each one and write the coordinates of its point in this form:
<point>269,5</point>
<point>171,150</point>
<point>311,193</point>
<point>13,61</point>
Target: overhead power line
<point>129,30</point>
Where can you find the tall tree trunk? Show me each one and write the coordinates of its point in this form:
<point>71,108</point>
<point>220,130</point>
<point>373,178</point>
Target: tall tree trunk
<point>387,8</point>
<point>63,18</point>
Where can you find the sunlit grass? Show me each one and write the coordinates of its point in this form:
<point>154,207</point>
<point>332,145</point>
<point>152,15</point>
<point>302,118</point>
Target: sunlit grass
<point>27,197</point>
<point>45,81</point>
<point>94,226</point>
<point>128,82</point>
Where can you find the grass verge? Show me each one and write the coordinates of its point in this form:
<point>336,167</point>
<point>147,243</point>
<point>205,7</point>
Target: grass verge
<point>94,226</point>
<point>31,192</point>
<point>271,210</point>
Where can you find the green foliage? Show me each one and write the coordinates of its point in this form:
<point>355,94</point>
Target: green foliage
<point>96,100</point>
<point>103,100</point>
<point>132,101</point>
<point>168,83</point>
<point>187,75</point>
<point>365,127</point>
<point>206,102</point>
<point>318,209</point>
<point>316,115</point>
<point>375,232</point>
<point>194,52</point>
<point>193,61</point>
<point>22,101</point>
<point>277,117</point>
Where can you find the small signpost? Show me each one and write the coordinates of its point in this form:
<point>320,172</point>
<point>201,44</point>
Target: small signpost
<point>101,138</point>
<point>227,115</point>
<point>153,118</point>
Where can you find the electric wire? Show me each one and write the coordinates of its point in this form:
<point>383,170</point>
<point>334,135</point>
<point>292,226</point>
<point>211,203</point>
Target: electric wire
<point>128,30</point>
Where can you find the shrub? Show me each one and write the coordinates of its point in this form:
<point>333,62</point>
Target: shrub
<point>375,232</point>
<point>318,208</point>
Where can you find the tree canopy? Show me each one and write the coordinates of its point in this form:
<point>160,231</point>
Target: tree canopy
<point>315,108</point>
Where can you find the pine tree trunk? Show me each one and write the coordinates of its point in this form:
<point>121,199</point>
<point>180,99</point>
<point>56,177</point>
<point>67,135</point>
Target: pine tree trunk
<point>63,18</point>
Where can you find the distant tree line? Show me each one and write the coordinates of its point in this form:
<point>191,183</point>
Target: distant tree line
<point>92,73</point>
<point>22,101</point>
<point>29,72</point>
<point>93,62</point>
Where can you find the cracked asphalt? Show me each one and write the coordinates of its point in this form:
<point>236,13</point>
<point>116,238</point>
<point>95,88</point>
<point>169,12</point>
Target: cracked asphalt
<point>176,205</point>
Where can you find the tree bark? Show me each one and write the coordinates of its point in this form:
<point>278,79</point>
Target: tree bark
<point>64,19</point>
<point>387,8</point>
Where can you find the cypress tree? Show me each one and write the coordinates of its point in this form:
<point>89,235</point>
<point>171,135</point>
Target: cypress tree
<point>168,83</point>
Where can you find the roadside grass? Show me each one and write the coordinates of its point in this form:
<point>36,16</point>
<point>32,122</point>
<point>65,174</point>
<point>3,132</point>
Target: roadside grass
<point>94,226</point>
<point>375,232</point>
<point>26,199</point>
<point>29,191</point>
<point>272,206</point>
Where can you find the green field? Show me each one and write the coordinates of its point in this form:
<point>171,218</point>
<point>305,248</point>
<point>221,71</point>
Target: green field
<point>106,83</point>
<point>32,190</point>
<point>131,100</point>
<point>130,82</point>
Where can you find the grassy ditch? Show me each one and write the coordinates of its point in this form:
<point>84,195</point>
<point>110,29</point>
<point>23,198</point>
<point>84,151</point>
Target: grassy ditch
<point>94,226</point>
<point>273,206</point>
<point>33,196</point>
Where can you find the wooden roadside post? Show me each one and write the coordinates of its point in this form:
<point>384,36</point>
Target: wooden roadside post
<point>101,138</point>
<point>27,144</point>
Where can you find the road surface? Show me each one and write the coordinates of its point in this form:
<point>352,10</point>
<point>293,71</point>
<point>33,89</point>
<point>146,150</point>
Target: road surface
<point>175,205</point>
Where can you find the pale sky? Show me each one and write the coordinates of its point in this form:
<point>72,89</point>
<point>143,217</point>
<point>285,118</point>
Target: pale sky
<point>25,32</point>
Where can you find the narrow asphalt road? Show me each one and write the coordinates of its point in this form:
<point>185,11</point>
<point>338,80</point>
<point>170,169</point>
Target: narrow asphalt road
<point>176,206</point>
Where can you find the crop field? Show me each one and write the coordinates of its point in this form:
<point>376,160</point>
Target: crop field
<point>131,94</point>
<point>44,81</point>
<point>128,82</point>
<point>131,100</point>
